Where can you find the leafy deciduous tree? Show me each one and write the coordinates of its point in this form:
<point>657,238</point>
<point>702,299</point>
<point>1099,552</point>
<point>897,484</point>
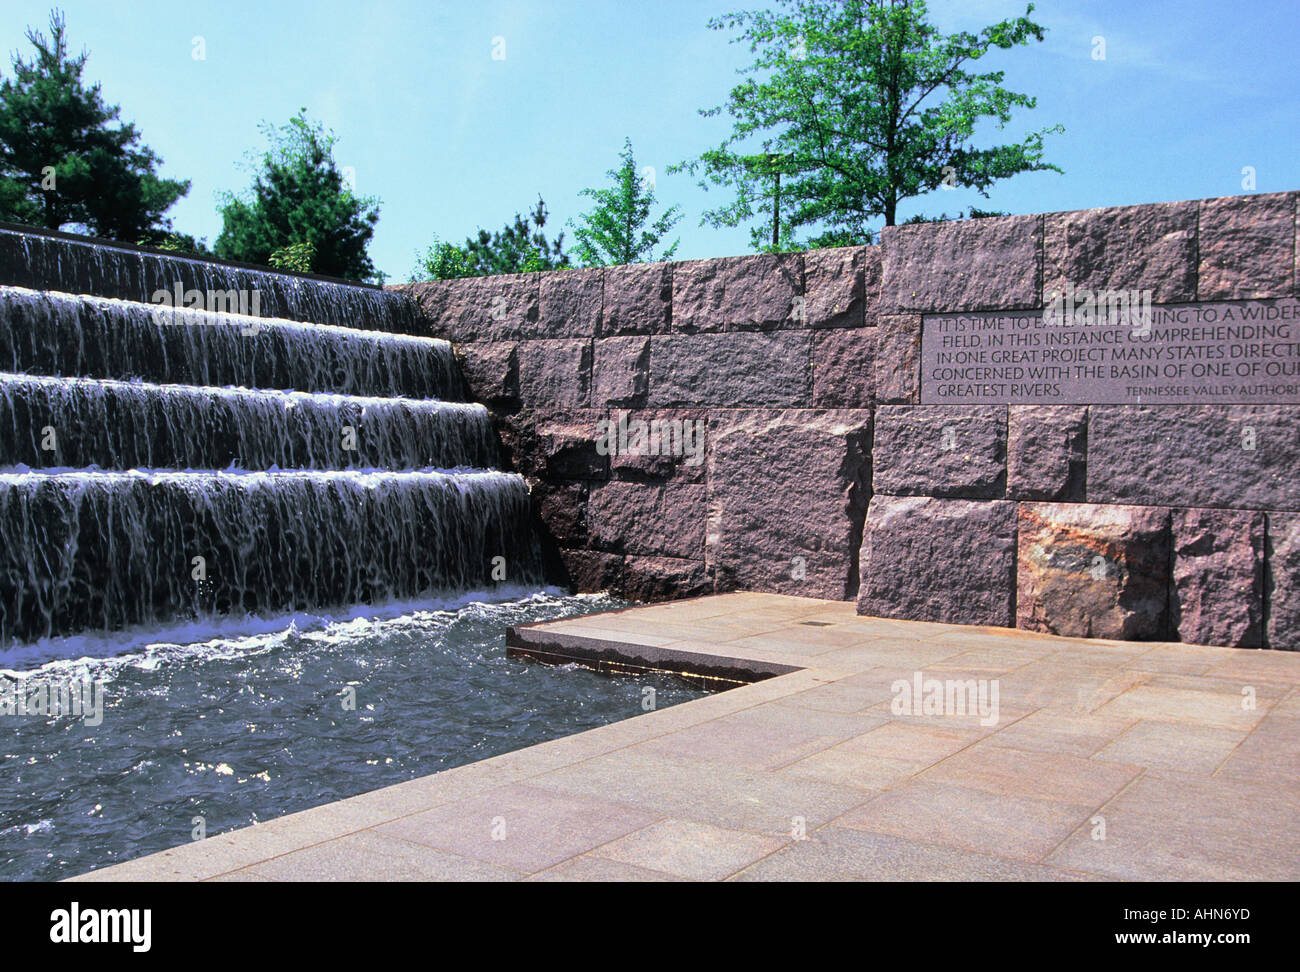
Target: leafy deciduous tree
<point>860,105</point>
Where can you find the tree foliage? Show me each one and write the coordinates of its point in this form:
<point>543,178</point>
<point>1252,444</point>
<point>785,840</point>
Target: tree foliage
<point>300,204</point>
<point>858,105</point>
<point>65,159</point>
<point>520,247</point>
<point>618,230</point>
<point>442,261</point>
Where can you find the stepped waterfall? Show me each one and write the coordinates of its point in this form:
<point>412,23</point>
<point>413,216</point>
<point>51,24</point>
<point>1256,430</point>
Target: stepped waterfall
<point>161,463</point>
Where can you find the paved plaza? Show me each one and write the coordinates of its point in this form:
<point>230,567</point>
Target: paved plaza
<point>1008,756</point>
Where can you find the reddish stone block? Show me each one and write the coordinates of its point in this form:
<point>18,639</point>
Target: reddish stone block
<point>661,444</point>
<point>835,285</point>
<point>592,572</point>
<point>978,264</point>
<point>1150,247</point>
<point>562,509</point>
<point>638,299</point>
<point>492,372</point>
<point>954,451</point>
<point>926,559</point>
<point>554,374</point>
<point>500,308</point>
<point>1218,584</point>
<point>1247,247</point>
<point>731,370</point>
<point>898,359</point>
<point>1282,582</point>
<point>844,368</point>
<point>664,579</point>
<point>569,303</point>
<point>648,518</point>
<point>1047,452</point>
<point>557,446</point>
<point>621,372</point>
<point>1231,456</point>
<point>787,493</point>
<point>1093,571</point>
<point>749,293</point>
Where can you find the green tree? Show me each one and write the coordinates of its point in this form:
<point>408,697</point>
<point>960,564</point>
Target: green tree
<point>63,161</point>
<point>295,256</point>
<point>521,247</point>
<point>859,105</point>
<point>300,199</point>
<point>182,243</point>
<point>441,261</point>
<point>616,231</point>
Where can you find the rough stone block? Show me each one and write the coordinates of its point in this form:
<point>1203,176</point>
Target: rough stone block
<point>835,285</point>
<point>591,572</point>
<point>1218,589</point>
<point>562,509</point>
<point>621,372</point>
<point>978,264</point>
<point>731,369</point>
<point>898,359</point>
<point>557,446</point>
<point>958,452</point>
<point>648,518</point>
<point>555,374</point>
<point>749,293</point>
<point>787,494</point>
<point>1046,452</point>
<point>1150,247</point>
<point>1282,582</point>
<point>500,308</point>
<point>638,299</point>
<point>569,303</point>
<point>844,368</point>
<point>927,559</point>
<point>661,444</point>
<point>1093,571</point>
<point>492,372</point>
<point>873,272</point>
<point>1247,247</point>
<point>664,579</point>
<point>1231,456</point>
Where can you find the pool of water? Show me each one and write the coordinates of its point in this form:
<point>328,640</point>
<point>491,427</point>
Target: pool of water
<point>247,727</point>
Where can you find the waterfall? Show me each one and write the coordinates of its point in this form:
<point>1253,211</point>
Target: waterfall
<point>91,267</point>
<point>161,463</point>
<point>64,335</point>
<point>104,550</point>
<point>83,422</point>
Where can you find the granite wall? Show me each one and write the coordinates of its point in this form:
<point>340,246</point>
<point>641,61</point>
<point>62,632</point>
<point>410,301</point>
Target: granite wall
<point>823,475</point>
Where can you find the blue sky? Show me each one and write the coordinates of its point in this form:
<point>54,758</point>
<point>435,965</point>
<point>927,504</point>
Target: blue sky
<point>1190,93</point>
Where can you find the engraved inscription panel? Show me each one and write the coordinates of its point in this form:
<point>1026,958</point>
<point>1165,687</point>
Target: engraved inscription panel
<point>1231,352</point>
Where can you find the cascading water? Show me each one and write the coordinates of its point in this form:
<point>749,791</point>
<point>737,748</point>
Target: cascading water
<point>131,425</point>
<point>64,335</point>
<point>160,463</point>
<point>106,550</point>
<point>88,267</point>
